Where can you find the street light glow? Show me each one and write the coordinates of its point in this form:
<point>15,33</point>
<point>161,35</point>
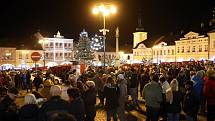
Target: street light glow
<point>113,9</point>
<point>104,9</point>
<point>95,11</point>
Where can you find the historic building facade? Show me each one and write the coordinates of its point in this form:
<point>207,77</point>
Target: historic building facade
<point>57,50</point>
<point>191,47</point>
<point>7,58</point>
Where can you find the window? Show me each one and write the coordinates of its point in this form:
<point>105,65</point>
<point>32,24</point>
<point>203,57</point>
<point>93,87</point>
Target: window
<point>51,44</point>
<point>206,48</point>
<point>178,50</point>
<point>20,55</point>
<point>56,44</point>
<point>65,44</point>
<point>60,44</point>
<point>154,52</point>
<point>65,54</point>
<point>213,44</point>
<point>157,52</point>
<point>69,45</point>
<point>194,49</point>
<point>168,52</point>
<point>188,49</point>
<point>200,48</point>
<point>161,52</point>
<point>47,55</point>
<point>172,52</point>
<point>100,58</point>
<point>182,49</point>
<point>61,54</point>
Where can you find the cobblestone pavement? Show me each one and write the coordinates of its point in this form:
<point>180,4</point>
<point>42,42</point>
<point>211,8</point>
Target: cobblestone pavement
<point>132,115</point>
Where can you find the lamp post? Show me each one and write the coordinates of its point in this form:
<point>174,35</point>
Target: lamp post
<point>105,10</point>
<point>42,42</point>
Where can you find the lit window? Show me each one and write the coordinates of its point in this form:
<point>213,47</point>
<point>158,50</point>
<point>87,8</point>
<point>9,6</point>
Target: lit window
<point>206,48</point>
<point>182,50</point>
<point>213,44</point>
<point>178,50</point>
<point>194,49</point>
<point>200,48</point>
<point>188,49</point>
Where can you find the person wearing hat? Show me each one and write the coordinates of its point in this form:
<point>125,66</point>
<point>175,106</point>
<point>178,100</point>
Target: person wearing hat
<point>190,102</point>
<point>8,107</point>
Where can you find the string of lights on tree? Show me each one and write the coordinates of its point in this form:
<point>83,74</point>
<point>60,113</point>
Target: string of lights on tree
<point>97,42</point>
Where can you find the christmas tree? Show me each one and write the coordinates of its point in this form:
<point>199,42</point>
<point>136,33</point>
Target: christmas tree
<point>83,50</point>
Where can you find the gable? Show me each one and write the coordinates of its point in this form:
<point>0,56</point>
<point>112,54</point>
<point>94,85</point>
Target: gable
<point>191,35</point>
<point>141,46</point>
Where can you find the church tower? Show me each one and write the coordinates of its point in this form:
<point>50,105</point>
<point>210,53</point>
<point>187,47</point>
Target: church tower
<point>139,35</point>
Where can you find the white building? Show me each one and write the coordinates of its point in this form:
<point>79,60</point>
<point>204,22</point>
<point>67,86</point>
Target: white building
<point>58,50</point>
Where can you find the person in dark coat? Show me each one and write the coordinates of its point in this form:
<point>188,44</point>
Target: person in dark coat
<point>8,107</point>
<point>76,104</point>
<point>90,101</point>
<point>28,81</point>
<point>190,102</point>
<point>37,81</point>
<point>17,80</point>
<point>30,110</point>
<point>54,104</point>
<point>111,93</point>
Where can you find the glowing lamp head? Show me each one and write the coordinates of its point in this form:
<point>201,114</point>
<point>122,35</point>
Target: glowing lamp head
<point>101,8</point>
<point>113,9</point>
<point>106,12</point>
<point>95,10</point>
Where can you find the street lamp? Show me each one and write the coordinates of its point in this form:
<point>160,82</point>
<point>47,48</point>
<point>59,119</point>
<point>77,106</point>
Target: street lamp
<point>42,42</point>
<point>105,10</point>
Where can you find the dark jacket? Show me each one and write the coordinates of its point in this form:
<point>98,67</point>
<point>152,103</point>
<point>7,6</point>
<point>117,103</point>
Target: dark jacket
<point>8,110</point>
<point>90,101</point>
<point>190,103</point>
<point>111,93</point>
<point>76,108</point>
<point>175,107</point>
<point>54,104</point>
<point>134,80</point>
<point>37,81</point>
<point>29,112</point>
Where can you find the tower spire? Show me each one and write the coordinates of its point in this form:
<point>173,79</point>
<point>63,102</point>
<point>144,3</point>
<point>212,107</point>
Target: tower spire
<point>212,21</point>
<point>139,25</point>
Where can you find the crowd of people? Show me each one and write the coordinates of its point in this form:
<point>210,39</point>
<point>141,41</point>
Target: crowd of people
<point>167,90</point>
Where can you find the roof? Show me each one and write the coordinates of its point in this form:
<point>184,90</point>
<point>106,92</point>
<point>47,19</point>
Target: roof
<point>150,42</point>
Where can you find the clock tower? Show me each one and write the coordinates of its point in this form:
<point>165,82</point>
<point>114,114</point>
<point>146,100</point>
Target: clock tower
<point>139,35</point>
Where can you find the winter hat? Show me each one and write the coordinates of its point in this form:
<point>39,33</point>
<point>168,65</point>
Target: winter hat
<point>120,76</point>
<point>90,84</point>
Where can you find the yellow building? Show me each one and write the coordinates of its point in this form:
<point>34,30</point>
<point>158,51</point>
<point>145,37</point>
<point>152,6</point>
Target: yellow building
<point>24,61</point>
<point>191,47</point>
<point>7,58</point>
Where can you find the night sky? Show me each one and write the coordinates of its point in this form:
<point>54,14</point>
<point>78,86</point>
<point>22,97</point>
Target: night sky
<point>20,19</point>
